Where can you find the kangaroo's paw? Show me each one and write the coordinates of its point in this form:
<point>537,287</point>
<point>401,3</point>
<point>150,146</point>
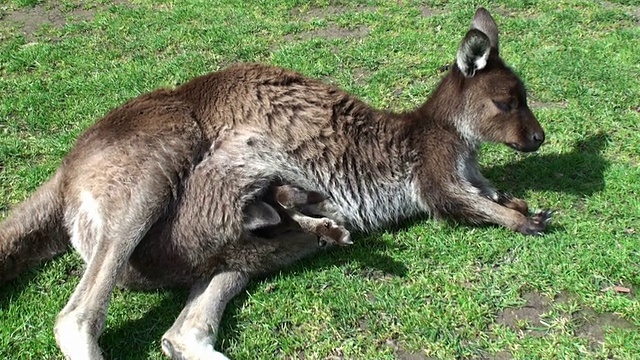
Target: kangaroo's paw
<point>74,338</point>
<point>537,223</point>
<point>190,349</point>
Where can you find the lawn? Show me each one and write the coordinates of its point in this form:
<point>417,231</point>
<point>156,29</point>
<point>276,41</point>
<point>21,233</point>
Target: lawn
<point>423,290</point>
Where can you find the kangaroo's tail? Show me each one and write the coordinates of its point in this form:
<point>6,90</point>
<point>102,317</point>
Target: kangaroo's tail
<point>33,231</point>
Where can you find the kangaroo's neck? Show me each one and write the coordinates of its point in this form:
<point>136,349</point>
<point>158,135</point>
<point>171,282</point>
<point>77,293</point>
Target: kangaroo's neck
<point>444,110</point>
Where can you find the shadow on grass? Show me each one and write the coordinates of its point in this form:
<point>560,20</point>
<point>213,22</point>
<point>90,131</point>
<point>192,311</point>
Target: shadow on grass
<point>14,287</point>
<point>144,333</point>
<point>580,172</point>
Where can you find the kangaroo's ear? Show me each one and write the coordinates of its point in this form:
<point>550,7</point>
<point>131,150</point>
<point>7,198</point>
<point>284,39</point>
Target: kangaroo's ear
<point>483,21</point>
<point>473,52</point>
<point>259,214</point>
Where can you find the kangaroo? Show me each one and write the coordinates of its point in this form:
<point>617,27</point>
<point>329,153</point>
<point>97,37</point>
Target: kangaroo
<point>162,191</point>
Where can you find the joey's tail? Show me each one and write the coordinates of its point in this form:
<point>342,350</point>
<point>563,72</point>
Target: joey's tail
<point>33,231</point>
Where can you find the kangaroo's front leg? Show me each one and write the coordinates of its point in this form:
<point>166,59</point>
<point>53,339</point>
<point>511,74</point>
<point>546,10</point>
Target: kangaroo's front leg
<point>512,202</point>
<point>193,334</point>
<point>472,174</point>
<point>479,209</point>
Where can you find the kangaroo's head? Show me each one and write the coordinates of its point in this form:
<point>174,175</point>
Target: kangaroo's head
<point>493,100</point>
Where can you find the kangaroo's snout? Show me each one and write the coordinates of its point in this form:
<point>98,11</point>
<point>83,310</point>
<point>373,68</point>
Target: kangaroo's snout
<point>536,138</point>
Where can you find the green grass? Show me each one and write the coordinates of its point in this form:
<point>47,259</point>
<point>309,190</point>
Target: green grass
<point>431,289</point>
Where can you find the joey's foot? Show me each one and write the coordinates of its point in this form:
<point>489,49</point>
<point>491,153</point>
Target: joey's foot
<point>330,232</point>
<point>290,196</point>
<point>536,223</point>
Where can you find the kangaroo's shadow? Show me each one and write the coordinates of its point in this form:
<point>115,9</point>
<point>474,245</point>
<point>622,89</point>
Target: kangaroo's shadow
<point>580,172</point>
<point>14,287</point>
<point>147,330</point>
<point>143,333</point>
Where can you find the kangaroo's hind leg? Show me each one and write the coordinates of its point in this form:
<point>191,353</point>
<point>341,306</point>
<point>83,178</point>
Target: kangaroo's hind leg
<point>194,332</point>
<point>106,228</point>
<point>116,189</point>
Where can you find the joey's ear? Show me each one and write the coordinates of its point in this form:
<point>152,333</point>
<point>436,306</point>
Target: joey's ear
<point>483,21</point>
<point>473,52</point>
<point>259,215</point>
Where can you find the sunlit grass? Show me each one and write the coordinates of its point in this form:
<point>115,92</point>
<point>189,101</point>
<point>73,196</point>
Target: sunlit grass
<point>430,289</point>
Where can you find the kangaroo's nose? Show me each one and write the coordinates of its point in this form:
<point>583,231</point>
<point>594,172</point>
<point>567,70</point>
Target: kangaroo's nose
<point>538,137</point>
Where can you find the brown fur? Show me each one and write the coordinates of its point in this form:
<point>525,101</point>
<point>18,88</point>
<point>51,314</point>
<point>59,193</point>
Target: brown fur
<point>159,192</point>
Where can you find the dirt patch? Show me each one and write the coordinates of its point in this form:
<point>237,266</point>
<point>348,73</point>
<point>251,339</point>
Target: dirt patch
<point>631,11</point>
<point>526,319</point>
<point>371,297</point>
<point>427,11</point>
<point>587,324</point>
<point>505,12</point>
<point>580,204</point>
<point>331,32</point>
<point>404,354</point>
<point>328,12</point>
<point>370,274</point>
<point>593,326</point>
<point>30,21</point>
<point>502,355</point>
<point>511,13</point>
<point>408,355</point>
<point>360,76</point>
<point>363,324</point>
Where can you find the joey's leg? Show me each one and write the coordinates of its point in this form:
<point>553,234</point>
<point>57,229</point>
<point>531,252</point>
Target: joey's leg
<point>326,229</point>
<point>193,334</point>
<point>479,209</point>
<point>289,196</point>
<point>292,198</point>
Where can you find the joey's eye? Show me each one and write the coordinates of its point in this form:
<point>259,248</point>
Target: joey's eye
<point>503,106</point>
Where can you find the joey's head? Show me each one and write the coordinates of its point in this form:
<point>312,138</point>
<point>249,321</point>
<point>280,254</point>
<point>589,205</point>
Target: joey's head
<point>494,100</point>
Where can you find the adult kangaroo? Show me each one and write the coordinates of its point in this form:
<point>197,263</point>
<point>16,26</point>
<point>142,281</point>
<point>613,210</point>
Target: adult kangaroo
<point>160,190</point>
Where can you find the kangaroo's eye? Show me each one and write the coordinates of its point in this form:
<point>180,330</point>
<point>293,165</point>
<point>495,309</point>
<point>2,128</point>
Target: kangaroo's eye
<point>503,106</point>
